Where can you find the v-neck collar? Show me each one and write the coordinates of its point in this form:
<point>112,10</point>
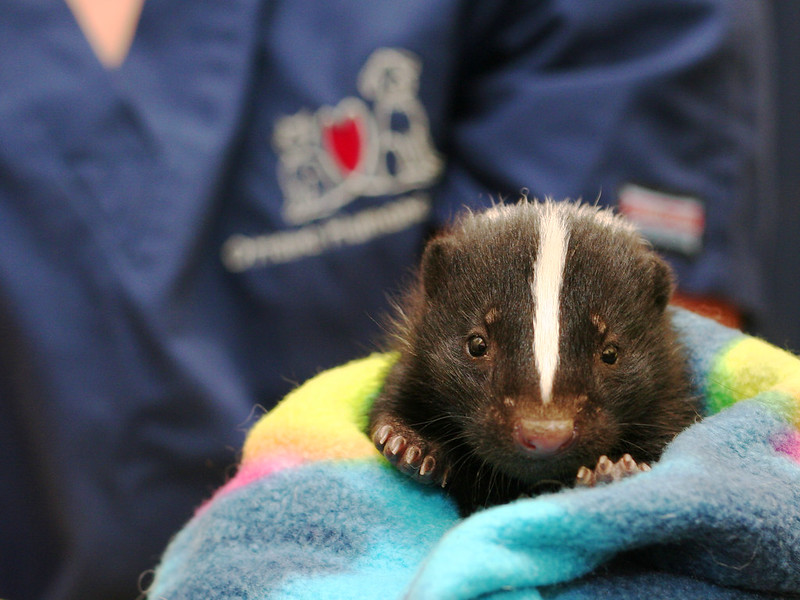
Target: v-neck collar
<point>107,19</point>
<point>138,146</point>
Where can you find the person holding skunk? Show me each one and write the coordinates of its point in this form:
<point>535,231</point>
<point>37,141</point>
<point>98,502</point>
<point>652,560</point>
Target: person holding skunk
<point>202,204</point>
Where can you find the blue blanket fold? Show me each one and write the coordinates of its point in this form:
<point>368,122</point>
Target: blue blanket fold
<point>692,518</point>
<point>315,512</point>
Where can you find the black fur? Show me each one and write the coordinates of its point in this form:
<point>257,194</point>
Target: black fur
<point>458,411</point>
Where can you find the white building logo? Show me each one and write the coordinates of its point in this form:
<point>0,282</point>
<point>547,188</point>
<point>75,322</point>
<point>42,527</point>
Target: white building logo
<point>377,145</point>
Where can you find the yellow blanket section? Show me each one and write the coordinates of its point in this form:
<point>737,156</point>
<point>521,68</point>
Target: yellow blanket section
<point>751,367</point>
<point>324,418</point>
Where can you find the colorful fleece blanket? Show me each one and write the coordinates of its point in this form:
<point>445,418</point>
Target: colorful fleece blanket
<point>315,512</point>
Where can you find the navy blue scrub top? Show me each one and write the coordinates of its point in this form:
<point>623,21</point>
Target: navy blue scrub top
<point>188,236</point>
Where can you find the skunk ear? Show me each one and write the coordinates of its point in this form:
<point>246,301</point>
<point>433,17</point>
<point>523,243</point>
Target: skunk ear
<point>663,281</point>
<point>437,263</point>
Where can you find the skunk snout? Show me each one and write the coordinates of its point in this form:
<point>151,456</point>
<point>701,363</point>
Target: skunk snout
<point>540,438</point>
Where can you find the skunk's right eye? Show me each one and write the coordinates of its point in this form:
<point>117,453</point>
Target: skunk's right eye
<point>609,355</point>
<point>477,346</point>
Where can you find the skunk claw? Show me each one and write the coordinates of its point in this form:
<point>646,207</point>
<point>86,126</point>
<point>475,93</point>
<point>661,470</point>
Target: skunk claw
<point>607,471</point>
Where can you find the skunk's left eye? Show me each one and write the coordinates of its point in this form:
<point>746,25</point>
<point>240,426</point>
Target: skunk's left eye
<point>609,355</point>
<point>477,346</point>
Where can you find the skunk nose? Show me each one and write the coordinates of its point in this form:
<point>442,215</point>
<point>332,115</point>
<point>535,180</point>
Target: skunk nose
<point>544,438</point>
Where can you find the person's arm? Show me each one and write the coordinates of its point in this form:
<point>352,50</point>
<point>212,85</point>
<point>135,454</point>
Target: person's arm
<point>602,99</point>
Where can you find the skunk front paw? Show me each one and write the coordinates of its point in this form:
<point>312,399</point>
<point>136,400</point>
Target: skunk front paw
<point>412,455</point>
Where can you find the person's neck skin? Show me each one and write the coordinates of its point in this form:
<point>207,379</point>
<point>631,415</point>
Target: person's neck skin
<point>109,26</point>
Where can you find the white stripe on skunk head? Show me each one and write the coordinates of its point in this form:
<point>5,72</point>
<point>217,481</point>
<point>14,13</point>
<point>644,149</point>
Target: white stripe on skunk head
<point>548,275</point>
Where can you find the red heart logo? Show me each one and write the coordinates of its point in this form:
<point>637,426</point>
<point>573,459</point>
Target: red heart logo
<point>344,142</point>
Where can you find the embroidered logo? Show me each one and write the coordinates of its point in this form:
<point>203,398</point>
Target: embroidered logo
<point>375,145</point>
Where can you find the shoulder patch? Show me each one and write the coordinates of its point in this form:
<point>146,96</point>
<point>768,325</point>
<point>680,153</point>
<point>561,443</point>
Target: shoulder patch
<point>670,222</point>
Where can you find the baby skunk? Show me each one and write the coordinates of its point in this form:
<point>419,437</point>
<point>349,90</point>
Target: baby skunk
<point>535,352</point>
